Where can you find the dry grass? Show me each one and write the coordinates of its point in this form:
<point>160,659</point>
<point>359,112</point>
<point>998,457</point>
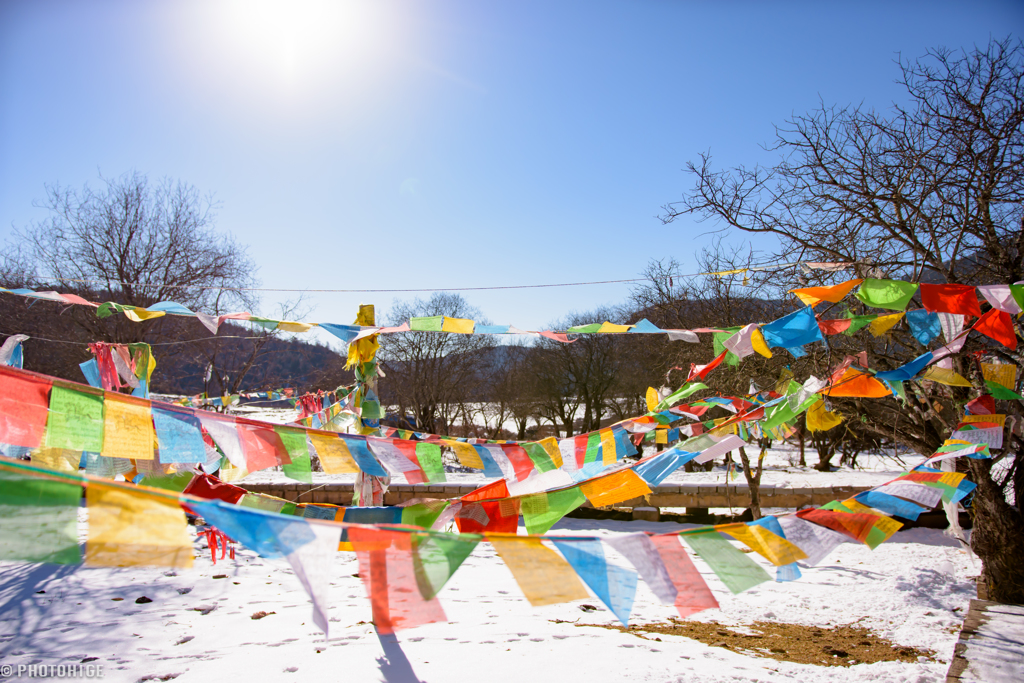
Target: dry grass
<point>835,646</point>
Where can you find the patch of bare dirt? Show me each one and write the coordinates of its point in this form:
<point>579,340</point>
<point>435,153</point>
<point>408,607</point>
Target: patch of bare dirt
<point>832,646</point>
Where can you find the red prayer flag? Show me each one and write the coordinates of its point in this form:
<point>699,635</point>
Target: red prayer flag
<point>212,488</point>
<point>261,445</point>
<point>496,489</point>
<point>961,299</point>
<point>835,326</point>
<point>24,404</point>
<point>692,592</point>
<point>983,405</point>
<point>520,460</point>
<point>388,572</point>
<point>999,326</point>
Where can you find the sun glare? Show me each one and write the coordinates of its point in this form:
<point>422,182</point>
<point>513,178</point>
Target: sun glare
<point>298,45</point>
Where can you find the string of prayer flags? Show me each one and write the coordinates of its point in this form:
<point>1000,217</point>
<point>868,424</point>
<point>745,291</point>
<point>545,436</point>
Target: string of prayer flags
<point>613,585</point>
<point>890,294</point>
<point>737,571</point>
<point>115,518</point>
<point>543,576</point>
<point>38,519</point>
<point>388,572</point>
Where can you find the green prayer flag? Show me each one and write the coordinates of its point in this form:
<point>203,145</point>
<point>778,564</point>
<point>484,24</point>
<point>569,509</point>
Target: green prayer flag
<point>429,455</point>
<point>1017,292</point>
<point>171,482</point>
<point>289,509</point>
<point>39,519</point>
<point>678,395</point>
<point>891,294</point>
<point>593,448</point>
<point>424,514</point>
<point>737,571</point>
<point>260,502</point>
<point>541,511</point>
<point>436,556</point>
<point>75,421</point>
<point>294,441</point>
<point>539,456</point>
<point>858,322</point>
<point>426,324</point>
<point>1000,392</point>
<point>584,329</point>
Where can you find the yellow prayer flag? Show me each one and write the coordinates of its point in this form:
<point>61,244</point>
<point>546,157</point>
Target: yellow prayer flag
<point>757,341</point>
<point>661,436</point>
<point>140,314</point>
<point>884,323</point>
<point>819,419</point>
<point>334,454</point>
<point>886,524</point>
<point>458,325</point>
<point>942,376</point>
<point>467,455</point>
<point>607,446</point>
<point>615,488</point>
<point>951,478</point>
<point>652,399</point>
<point>129,528</point>
<point>550,446</point>
<point>612,328</point>
<point>543,576</point>
<point>1003,374</point>
<point>127,428</point>
<point>774,548</point>
<point>57,459</point>
<point>289,326</point>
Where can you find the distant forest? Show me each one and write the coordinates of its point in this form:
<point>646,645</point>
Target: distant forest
<point>242,358</point>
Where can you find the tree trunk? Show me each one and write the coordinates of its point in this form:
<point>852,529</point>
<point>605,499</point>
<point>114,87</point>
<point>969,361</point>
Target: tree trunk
<point>753,483</point>
<point>997,538</point>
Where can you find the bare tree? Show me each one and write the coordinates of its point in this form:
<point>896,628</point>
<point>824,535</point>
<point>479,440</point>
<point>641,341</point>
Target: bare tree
<point>932,189</point>
<point>433,375</point>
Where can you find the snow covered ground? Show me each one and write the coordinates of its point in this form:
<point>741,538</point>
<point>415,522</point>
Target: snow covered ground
<point>912,589</point>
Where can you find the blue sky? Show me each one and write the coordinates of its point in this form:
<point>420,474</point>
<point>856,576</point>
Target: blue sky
<point>439,144</point>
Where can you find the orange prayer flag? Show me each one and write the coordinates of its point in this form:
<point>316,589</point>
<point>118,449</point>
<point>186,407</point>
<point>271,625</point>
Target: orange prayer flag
<point>811,296</point>
<point>857,384</point>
